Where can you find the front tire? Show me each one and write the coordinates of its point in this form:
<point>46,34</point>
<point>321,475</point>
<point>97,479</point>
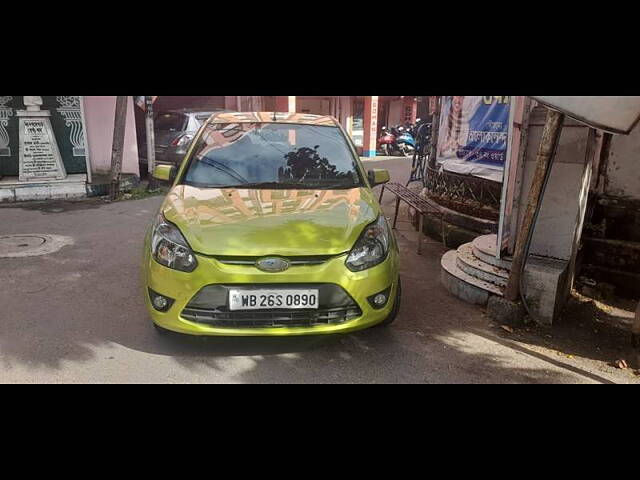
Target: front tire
<point>396,307</point>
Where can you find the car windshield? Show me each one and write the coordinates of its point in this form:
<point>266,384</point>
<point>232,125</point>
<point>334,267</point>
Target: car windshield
<point>170,122</point>
<point>271,156</point>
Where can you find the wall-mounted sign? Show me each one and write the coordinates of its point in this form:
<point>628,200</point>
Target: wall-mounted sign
<point>473,136</point>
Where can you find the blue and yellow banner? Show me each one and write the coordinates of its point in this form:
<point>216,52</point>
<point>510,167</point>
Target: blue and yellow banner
<point>474,135</point>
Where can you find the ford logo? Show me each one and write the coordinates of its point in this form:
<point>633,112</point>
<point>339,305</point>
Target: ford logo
<point>272,264</point>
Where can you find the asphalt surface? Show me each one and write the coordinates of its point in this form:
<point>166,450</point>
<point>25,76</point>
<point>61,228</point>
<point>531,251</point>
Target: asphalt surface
<point>77,316</point>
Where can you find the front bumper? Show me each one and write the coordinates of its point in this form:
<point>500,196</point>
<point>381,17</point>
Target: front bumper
<point>183,287</point>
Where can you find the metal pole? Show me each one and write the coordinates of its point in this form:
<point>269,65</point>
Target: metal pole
<point>151,141</point>
<point>435,131</point>
<point>603,162</point>
<point>546,152</point>
<point>117,148</point>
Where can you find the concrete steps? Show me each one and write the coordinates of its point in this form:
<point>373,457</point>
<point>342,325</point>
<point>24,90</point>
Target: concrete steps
<point>473,274</point>
<point>72,187</point>
<point>484,248</point>
<point>472,265</point>
<point>467,275</point>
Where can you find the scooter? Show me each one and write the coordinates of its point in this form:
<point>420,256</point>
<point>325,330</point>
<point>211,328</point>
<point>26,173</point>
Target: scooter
<point>406,142</point>
<point>387,142</point>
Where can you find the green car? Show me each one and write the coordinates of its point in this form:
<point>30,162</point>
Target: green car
<point>270,228</point>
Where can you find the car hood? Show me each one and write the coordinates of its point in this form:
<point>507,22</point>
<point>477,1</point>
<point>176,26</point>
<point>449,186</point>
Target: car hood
<point>246,222</point>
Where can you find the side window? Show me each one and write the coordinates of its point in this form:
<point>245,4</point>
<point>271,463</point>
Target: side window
<point>170,122</point>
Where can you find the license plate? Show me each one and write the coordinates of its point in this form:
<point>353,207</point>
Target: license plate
<point>273,299</point>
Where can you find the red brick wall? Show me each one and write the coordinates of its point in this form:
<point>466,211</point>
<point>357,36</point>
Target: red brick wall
<point>177,102</point>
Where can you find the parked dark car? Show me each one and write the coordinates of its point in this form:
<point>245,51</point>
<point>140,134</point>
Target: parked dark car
<point>174,130</point>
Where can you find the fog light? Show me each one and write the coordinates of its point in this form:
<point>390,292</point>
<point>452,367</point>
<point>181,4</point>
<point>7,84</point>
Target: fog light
<point>380,300</point>
<point>160,302</point>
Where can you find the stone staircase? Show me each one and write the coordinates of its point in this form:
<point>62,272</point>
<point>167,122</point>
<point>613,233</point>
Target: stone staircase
<point>473,273</point>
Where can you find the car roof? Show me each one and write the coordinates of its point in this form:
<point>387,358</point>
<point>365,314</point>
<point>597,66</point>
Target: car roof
<point>273,117</point>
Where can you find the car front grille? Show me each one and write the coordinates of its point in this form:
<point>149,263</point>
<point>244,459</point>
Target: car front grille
<point>271,318</point>
<point>293,261</point>
<point>210,307</point>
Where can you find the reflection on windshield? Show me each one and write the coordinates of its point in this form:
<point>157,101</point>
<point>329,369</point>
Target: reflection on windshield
<point>306,164</point>
<point>273,155</point>
<point>217,206</point>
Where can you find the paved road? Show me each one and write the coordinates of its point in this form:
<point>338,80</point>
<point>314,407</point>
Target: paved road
<point>77,316</point>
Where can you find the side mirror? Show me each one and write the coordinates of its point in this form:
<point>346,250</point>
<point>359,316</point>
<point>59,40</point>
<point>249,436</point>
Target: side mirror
<point>378,176</point>
<point>164,172</point>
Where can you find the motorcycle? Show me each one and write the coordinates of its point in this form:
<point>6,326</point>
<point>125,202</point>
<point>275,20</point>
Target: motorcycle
<point>387,142</point>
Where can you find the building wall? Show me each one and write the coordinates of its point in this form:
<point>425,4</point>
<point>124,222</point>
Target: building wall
<point>623,169</point>
<point>99,118</point>
<point>395,113</point>
<point>314,105</point>
<point>251,104</point>
<point>184,101</point>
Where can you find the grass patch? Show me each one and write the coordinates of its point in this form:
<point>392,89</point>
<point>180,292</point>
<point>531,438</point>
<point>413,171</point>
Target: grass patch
<point>142,191</point>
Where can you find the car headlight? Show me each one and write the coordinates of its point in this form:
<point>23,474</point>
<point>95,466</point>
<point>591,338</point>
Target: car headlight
<point>169,247</point>
<point>371,248</point>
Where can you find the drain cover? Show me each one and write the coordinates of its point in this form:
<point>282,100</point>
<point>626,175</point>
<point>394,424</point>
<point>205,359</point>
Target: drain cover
<point>31,245</point>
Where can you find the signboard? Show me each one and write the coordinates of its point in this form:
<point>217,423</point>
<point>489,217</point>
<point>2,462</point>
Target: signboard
<point>68,127</point>
<point>611,114</point>
<point>39,154</point>
<point>474,134</point>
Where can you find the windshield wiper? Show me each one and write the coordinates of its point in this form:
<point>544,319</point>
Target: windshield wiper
<point>331,186</point>
<point>223,168</point>
<point>285,186</point>
<point>265,185</point>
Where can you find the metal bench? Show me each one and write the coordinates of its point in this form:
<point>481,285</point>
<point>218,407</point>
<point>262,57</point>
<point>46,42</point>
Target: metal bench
<point>420,204</point>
